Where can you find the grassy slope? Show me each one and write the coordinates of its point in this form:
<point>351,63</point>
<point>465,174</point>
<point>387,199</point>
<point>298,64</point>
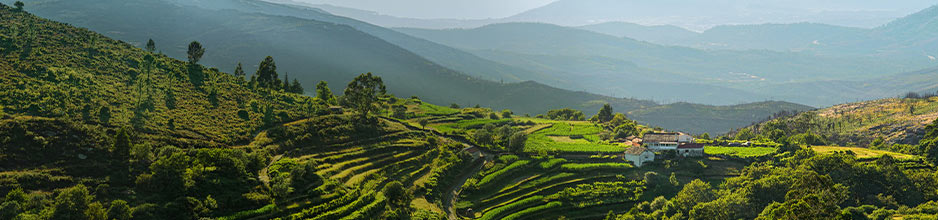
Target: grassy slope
<point>51,144</point>
<point>248,37</point>
<point>58,78</point>
<point>860,122</point>
<point>310,50</point>
<point>862,153</point>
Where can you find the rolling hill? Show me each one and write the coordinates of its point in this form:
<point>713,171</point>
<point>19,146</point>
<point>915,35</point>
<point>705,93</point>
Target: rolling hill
<point>684,114</point>
<point>338,53</point>
<point>390,21</point>
<point>309,50</point>
<point>96,128</point>
<point>658,34</point>
<point>445,56</point>
<point>909,36</point>
<point>894,120</point>
<point>80,111</point>
<point>750,71</point>
<point>56,71</point>
<point>700,15</point>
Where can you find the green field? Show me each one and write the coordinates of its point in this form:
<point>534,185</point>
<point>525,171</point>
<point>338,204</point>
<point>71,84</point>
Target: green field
<point>467,124</point>
<point>862,152</point>
<point>569,137</point>
<point>740,151</point>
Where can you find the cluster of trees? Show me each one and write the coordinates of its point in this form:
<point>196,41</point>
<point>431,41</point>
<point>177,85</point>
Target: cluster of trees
<point>928,146</point>
<point>564,114</point>
<point>506,136</point>
<point>267,77</point>
<point>173,183</point>
<point>75,202</point>
<point>615,125</point>
<point>801,129</point>
<point>801,184</point>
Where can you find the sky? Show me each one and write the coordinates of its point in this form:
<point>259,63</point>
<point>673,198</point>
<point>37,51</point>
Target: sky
<point>461,9</point>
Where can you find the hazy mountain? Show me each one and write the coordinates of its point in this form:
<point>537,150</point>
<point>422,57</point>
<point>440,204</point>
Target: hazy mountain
<point>778,37</point>
<point>917,33</point>
<point>659,34</point>
<point>443,55</point>
<point>389,20</point>
<point>308,50</point>
<point>749,70</point>
<point>700,15</point>
<point>912,37</point>
<point>809,37</point>
<point>677,114</point>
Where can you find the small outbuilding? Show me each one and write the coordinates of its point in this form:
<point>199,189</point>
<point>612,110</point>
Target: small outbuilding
<point>690,150</point>
<point>639,155</point>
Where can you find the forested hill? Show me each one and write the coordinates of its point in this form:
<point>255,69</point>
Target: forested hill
<point>309,50</point>
<point>311,46</point>
<point>54,70</point>
<point>876,123</point>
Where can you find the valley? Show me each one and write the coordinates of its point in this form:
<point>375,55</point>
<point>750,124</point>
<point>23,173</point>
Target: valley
<point>156,110</point>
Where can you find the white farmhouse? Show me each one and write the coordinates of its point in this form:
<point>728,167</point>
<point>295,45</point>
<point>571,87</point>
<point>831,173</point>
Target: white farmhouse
<point>665,141</point>
<point>639,155</point>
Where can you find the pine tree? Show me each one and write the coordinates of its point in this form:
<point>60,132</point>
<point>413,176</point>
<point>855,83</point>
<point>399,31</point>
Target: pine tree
<point>239,72</point>
<point>286,82</point>
<point>297,87</point>
<point>196,77</point>
<point>195,52</point>
<point>267,73</point>
<point>151,46</point>
<point>19,5</point>
<point>324,93</point>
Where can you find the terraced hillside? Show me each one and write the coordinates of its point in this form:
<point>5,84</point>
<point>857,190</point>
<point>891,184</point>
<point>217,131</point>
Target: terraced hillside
<point>357,170</point>
<point>93,128</point>
<point>166,139</point>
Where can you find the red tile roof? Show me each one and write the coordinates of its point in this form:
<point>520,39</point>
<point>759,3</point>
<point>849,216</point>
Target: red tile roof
<point>635,150</point>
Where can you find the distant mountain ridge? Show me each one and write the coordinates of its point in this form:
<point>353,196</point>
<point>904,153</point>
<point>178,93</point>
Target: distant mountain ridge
<point>701,15</point>
<point>637,62</point>
<point>340,53</point>
<point>911,36</point>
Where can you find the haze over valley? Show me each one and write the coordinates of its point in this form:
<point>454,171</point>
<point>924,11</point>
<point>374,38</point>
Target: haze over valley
<point>468,109</point>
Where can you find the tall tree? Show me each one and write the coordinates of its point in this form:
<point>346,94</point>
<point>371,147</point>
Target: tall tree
<point>267,73</point>
<point>195,52</point>
<point>286,82</point>
<point>363,92</point>
<point>151,46</point>
<point>239,72</point>
<point>120,151</point>
<point>324,93</point>
<point>19,5</point>
<point>297,87</point>
<point>605,114</point>
<point>149,62</point>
